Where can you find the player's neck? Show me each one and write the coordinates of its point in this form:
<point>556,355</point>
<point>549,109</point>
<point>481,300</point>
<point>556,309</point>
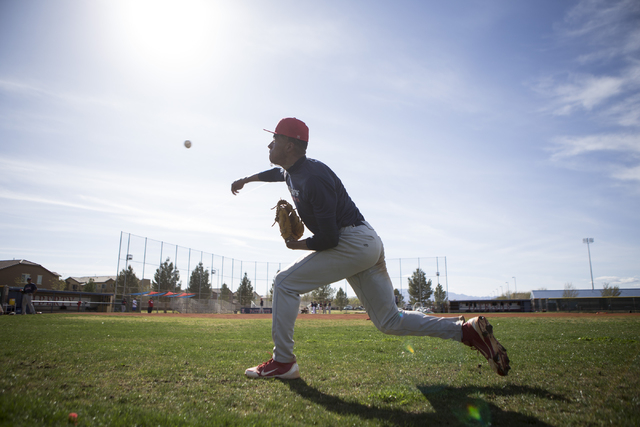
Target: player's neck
<point>291,160</point>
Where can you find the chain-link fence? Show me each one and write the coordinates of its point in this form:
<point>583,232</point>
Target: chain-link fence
<point>214,292</point>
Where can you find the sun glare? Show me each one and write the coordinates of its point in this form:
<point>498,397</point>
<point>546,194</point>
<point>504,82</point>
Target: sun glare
<point>169,33</point>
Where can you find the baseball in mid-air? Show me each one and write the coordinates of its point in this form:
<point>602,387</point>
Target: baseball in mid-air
<point>187,143</point>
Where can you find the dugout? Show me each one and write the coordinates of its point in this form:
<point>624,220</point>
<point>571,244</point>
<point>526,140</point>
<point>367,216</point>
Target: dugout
<point>490,306</point>
<point>51,301</point>
<point>586,300</point>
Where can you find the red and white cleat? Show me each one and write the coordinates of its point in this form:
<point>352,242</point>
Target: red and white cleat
<point>273,369</point>
<point>478,333</point>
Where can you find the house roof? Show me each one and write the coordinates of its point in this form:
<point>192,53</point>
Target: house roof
<point>98,279</point>
<point>583,293</point>
<point>13,262</point>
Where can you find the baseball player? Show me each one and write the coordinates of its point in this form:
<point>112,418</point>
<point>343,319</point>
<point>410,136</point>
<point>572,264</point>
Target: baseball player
<point>343,246</point>
<point>28,292</point>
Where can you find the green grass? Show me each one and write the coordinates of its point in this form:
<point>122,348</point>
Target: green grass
<point>164,371</point>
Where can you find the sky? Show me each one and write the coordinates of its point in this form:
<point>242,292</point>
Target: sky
<point>496,134</point>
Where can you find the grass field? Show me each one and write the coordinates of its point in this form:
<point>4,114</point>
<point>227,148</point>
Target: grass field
<point>151,370</point>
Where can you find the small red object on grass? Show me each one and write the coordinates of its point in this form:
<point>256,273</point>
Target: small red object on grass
<point>73,418</point>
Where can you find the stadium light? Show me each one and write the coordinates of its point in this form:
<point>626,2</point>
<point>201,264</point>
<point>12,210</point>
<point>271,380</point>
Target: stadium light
<point>588,240</point>
<point>514,284</point>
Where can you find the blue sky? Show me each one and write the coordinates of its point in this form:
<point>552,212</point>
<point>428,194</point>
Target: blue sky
<point>498,134</point>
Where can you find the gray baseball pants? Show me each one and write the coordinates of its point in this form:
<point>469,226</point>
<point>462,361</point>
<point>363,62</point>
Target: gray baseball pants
<point>359,257</point>
<point>27,302</point>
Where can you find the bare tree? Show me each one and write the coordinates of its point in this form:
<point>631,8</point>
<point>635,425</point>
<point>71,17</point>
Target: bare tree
<point>607,291</point>
<point>569,291</point>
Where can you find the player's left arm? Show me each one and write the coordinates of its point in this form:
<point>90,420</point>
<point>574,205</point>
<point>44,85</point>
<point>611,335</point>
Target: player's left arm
<point>298,244</point>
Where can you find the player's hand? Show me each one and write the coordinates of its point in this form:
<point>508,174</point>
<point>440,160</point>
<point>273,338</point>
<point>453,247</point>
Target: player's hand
<point>237,185</point>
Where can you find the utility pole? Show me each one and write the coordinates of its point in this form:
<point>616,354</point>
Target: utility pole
<point>588,240</point>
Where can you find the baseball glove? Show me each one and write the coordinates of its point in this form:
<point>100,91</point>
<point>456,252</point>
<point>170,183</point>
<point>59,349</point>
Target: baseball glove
<point>291,227</point>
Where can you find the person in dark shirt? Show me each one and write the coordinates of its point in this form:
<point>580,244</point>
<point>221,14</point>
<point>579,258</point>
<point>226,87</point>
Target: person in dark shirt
<point>28,292</point>
<point>342,246</point>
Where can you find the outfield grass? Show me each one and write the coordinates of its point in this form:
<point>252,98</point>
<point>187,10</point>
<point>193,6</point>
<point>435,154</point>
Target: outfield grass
<point>151,370</point>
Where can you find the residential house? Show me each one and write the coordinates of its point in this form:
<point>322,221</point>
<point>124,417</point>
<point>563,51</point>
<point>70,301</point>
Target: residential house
<point>16,272</point>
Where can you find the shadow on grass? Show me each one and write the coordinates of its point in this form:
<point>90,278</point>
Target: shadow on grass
<point>453,406</point>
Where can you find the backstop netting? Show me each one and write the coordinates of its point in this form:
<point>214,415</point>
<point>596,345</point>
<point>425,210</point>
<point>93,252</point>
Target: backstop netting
<point>146,256</point>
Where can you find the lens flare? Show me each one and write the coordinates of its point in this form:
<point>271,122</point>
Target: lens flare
<point>473,412</point>
<point>408,346</point>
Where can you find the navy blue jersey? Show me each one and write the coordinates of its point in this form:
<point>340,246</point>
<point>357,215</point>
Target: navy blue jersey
<point>29,288</point>
<point>320,198</point>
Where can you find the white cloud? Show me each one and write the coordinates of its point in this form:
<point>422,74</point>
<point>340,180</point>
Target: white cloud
<point>583,152</point>
<point>621,282</point>
<point>615,98</point>
<point>585,92</point>
<point>628,174</point>
<point>599,33</point>
<point>603,24</point>
<point>574,146</point>
<point>603,89</point>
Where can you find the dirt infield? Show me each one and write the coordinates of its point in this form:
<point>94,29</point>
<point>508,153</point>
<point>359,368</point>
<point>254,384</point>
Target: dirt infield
<point>364,316</point>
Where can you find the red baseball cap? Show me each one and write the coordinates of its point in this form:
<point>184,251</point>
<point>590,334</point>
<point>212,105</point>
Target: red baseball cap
<point>292,128</point>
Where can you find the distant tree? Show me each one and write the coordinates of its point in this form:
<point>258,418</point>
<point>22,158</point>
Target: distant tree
<point>521,295</point>
<point>323,293</point>
<point>58,285</point>
<point>225,293</point>
<point>341,298</point>
<point>166,278</point>
<point>399,298</point>
<point>127,281</point>
<point>273,284</point>
<point>419,288</point>
<point>607,291</point>
<point>245,291</point>
<point>354,301</point>
<point>439,295</point>
<point>569,291</point>
<point>199,282</point>
<point>90,286</point>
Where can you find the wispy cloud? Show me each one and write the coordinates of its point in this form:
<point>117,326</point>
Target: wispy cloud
<point>575,146</point>
<point>621,282</point>
<point>607,28</point>
<point>623,160</point>
<point>602,87</point>
<point>615,97</point>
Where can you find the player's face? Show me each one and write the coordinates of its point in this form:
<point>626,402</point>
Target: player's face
<point>278,150</point>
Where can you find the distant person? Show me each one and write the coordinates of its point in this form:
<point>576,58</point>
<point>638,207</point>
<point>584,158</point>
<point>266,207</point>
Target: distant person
<point>123,307</point>
<point>150,306</point>
<point>28,292</point>
<point>343,245</point>
<point>134,305</point>
<point>261,306</point>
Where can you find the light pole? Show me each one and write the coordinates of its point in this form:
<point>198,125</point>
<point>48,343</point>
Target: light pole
<point>514,284</point>
<point>588,240</point>
<point>508,293</point>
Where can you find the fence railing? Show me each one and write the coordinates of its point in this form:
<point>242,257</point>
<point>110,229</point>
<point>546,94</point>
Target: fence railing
<point>146,255</point>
